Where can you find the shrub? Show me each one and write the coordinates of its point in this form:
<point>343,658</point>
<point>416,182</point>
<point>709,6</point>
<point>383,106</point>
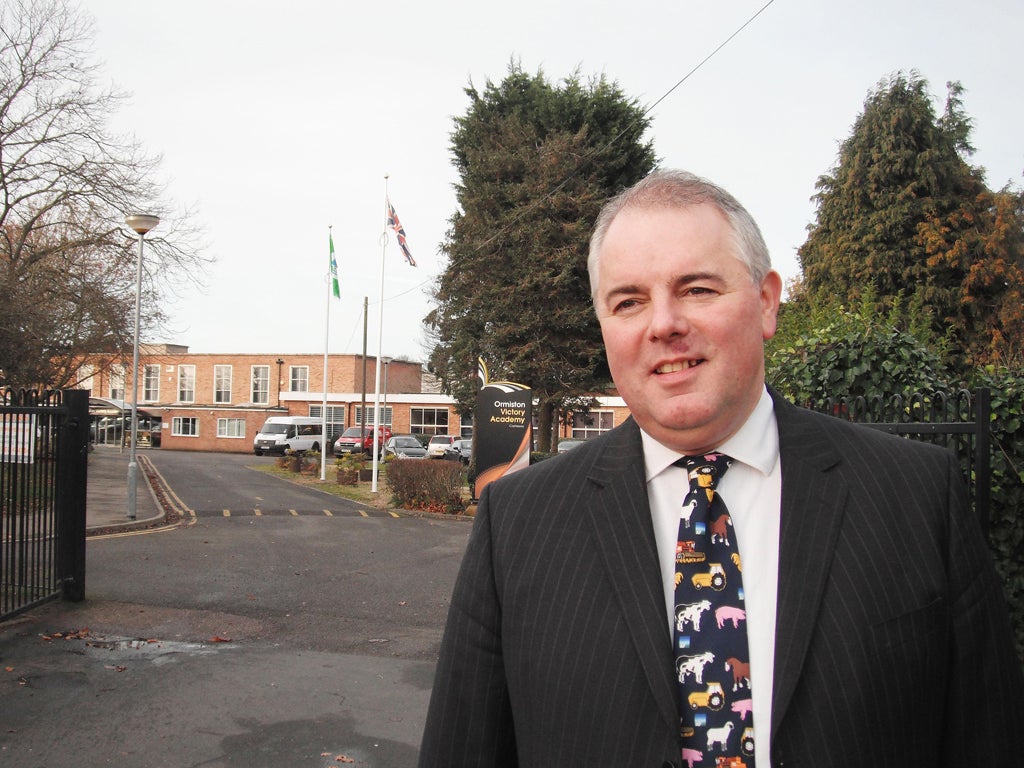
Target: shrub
<point>852,353</point>
<point>434,486</point>
<point>348,466</point>
<point>311,462</point>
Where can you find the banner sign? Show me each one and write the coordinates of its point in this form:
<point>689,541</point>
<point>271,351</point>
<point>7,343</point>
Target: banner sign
<point>18,439</point>
<point>503,434</point>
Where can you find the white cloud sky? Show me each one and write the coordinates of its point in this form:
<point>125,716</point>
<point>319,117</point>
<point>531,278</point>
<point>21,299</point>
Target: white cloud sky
<point>280,119</point>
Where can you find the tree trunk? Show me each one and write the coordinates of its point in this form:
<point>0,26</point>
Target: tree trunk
<point>547,408</point>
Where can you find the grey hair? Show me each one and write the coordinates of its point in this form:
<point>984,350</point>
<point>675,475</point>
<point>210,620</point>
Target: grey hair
<point>668,188</point>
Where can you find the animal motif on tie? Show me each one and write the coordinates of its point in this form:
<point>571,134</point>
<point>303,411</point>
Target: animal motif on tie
<point>720,529</point>
<point>740,672</point>
<point>715,704</point>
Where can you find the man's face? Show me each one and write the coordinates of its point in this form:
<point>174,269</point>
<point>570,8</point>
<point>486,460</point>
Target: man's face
<point>683,323</point>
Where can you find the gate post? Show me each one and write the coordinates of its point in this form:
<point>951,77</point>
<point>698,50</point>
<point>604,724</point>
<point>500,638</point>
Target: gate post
<point>72,481</point>
<point>983,456</point>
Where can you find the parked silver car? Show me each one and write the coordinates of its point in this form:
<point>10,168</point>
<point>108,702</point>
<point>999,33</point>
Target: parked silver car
<point>568,443</point>
<point>460,450</point>
<point>438,445</point>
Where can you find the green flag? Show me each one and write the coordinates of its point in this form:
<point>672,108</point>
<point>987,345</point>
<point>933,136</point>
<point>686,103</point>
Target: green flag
<point>334,269</point>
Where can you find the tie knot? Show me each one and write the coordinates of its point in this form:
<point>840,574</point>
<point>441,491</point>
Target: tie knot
<point>706,469</point>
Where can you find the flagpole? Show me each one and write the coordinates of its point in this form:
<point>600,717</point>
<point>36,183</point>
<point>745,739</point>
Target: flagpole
<point>327,333</point>
<point>380,341</point>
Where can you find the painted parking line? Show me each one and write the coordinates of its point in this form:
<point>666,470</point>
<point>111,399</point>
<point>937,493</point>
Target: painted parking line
<point>294,512</point>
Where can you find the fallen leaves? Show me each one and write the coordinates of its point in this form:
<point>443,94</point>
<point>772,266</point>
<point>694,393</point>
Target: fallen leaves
<point>71,634</point>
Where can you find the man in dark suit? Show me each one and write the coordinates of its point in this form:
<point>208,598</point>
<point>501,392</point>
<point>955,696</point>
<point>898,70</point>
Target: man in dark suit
<point>877,630</point>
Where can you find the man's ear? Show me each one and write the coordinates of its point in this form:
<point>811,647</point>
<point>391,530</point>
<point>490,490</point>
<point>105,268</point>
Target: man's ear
<point>771,296</point>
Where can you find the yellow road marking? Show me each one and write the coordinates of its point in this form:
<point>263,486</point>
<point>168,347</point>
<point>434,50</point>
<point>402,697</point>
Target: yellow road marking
<point>227,513</point>
<point>363,513</point>
<point>328,513</point>
<point>258,512</point>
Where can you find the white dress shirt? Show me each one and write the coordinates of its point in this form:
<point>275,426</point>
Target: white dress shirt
<point>752,491</point>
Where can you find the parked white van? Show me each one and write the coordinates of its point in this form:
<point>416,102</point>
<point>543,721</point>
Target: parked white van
<point>278,433</point>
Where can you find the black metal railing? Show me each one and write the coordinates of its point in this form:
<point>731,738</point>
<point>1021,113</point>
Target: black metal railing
<point>43,466</point>
<point>956,420</point>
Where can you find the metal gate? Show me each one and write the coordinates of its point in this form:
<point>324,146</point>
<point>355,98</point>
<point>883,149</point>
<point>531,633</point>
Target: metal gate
<point>956,420</point>
<point>44,440</point>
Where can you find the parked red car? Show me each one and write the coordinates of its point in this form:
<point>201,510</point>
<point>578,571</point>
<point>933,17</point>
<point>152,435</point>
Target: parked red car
<point>360,439</point>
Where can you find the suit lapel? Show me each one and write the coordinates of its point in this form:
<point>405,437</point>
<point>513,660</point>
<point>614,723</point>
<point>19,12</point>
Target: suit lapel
<point>624,536</point>
<point>813,502</point>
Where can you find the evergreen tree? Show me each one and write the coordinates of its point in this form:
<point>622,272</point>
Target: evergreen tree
<point>536,161</point>
<point>903,212</point>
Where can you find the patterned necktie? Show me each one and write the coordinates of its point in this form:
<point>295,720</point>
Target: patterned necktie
<point>716,723</point>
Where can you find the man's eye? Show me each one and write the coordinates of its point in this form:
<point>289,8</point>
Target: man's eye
<point>624,305</point>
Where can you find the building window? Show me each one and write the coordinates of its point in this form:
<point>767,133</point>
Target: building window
<point>335,419</point>
<point>86,374</point>
<point>428,421</point>
<point>117,382</point>
<point>185,426</point>
<point>298,378</point>
<point>261,384</point>
<point>385,415</point>
<point>230,427</point>
<point>222,383</point>
<point>186,383</point>
<point>151,383</point>
<point>592,423</point>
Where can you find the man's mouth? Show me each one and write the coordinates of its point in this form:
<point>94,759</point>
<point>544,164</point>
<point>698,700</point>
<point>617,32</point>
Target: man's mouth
<point>677,366</point>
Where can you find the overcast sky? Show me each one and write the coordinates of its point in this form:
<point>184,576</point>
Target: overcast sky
<point>278,120</point>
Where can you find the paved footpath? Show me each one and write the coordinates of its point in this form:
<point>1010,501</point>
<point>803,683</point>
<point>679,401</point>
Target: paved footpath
<point>107,500</point>
<point>264,642</point>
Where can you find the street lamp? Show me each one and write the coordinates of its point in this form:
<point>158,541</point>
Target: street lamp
<point>141,223</point>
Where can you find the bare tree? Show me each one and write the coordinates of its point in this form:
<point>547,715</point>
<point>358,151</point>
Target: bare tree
<point>67,260</point>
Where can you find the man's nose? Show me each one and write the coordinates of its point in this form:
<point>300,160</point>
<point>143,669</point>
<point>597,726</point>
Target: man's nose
<point>668,319</point>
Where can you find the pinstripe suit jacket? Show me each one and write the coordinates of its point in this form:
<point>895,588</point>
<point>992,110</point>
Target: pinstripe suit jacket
<point>892,643</point>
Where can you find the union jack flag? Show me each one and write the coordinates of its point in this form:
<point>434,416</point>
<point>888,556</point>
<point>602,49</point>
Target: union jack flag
<point>396,225</point>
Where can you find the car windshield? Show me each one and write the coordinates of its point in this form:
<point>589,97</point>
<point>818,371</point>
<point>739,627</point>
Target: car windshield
<point>406,442</point>
<point>352,432</point>
<point>437,439</point>
<point>274,429</point>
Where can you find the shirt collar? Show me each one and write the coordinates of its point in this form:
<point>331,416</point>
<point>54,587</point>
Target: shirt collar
<point>756,443</point>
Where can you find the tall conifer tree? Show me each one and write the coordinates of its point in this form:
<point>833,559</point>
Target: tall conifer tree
<point>536,161</point>
<point>904,212</point>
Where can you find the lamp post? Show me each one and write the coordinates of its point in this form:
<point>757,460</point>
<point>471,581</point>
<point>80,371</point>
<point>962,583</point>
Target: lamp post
<point>141,223</point>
